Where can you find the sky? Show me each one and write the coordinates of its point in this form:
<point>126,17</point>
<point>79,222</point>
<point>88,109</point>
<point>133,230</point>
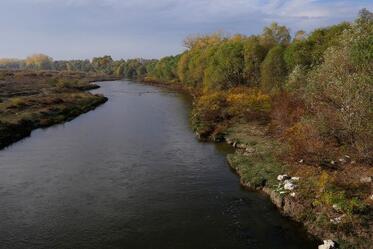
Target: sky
<point>82,29</point>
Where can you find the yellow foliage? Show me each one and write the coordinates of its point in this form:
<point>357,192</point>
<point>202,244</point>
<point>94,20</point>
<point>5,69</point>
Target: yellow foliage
<point>244,100</point>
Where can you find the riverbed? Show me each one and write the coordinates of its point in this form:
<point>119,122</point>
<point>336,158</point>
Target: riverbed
<point>131,174</point>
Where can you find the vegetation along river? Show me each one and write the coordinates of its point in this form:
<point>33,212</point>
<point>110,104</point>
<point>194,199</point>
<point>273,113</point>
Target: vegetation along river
<point>131,174</point>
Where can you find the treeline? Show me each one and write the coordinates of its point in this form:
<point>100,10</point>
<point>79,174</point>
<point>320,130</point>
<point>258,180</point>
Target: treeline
<point>315,89</point>
<point>38,62</point>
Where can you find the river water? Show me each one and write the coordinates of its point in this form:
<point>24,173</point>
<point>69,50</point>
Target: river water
<point>131,174</point>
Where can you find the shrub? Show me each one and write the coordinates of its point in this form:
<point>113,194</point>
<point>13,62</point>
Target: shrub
<point>287,110</point>
<point>208,111</point>
<point>305,141</point>
<point>247,103</point>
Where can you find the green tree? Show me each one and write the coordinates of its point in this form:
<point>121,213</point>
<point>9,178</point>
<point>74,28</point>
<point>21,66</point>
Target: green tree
<point>226,67</point>
<point>275,35</point>
<point>254,54</point>
<point>273,69</point>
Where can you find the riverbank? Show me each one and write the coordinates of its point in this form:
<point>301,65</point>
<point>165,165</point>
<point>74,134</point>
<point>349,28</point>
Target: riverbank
<point>302,192</point>
<point>31,100</point>
<point>333,203</point>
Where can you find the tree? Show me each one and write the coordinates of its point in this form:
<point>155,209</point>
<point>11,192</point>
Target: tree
<point>39,62</point>
<point>298,53</point>
<point>254,54</point>
<point>275,35</point>
<point>119,71</point>
<point>322,39</point>
<point>273,69</point>
<point>202,41</point>
<point>340,92</point>
<point>365,16</point>
<point>300,35</point>
<point>226,67</point>
<point>103,64</point>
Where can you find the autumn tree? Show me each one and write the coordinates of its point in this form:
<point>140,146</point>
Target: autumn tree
<point>39,62</point>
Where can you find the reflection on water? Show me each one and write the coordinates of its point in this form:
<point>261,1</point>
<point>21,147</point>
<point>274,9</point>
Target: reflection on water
<point>131,174</point>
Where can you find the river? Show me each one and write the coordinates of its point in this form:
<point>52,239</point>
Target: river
<point>131,174</point>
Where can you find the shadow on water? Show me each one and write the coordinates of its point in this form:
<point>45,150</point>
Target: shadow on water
<point>131,174</point>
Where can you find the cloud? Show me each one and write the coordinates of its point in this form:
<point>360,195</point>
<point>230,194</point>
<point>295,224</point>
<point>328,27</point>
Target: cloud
<point>95,27</point>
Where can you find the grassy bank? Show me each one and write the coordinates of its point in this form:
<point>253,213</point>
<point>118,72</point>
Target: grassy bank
<point>35,99</point>
<point>331,204</point>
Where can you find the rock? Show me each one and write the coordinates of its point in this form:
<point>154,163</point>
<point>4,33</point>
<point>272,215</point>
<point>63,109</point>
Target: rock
<point>292,194</point>
<point>337,220</point>
<point>337,208</point>
<point>342,160</point>
<point>301,161</point>
<point>332,162</point>
<point>283,177</point>
<point>288,185</point>
<point>371,197</point>
<point>328,244</point>
<point>250,150</point>
<point>241,146</point>
<point>366,179</point>
<point>295,178</point>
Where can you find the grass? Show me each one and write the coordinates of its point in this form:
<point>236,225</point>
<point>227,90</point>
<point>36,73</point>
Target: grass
<point>321,195</point>
<point>30,100</point>
<point>259,167</point>
<point>258,170</point>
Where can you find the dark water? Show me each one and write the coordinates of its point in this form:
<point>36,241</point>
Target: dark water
<point>131,174</point>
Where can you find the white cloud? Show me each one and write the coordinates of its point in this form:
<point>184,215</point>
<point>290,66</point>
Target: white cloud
<point>157,26</point>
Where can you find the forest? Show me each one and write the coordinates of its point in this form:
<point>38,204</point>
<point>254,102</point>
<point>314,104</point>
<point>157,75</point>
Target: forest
<point>317,85</point>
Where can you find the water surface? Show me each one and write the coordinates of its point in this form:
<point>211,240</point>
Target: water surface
<point>131,174</point>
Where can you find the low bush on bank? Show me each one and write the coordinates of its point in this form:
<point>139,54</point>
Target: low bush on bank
<point>214,108</point>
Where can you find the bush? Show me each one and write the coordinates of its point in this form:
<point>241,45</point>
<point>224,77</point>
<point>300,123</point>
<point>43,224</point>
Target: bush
<point>305,142</point>
<point>247,103</point>
<point>287,110</point>
<point>209,110</point>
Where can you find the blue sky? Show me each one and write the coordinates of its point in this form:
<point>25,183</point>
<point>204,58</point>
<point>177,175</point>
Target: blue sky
<point>67,29</point>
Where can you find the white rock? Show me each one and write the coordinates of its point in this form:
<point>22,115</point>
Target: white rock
<point>337,220</point>
<point>366,179</point>
<point>288,185</point>
<point>301,161</point>
<point>282,177</point>
<point>250,150</point>
<point>295,178</point>
<point>292,194</point>
<point>332,162</point>
<point>337,208</point>
<point>347,156</point>
<point>328,244</point>
<point>371,197</point>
